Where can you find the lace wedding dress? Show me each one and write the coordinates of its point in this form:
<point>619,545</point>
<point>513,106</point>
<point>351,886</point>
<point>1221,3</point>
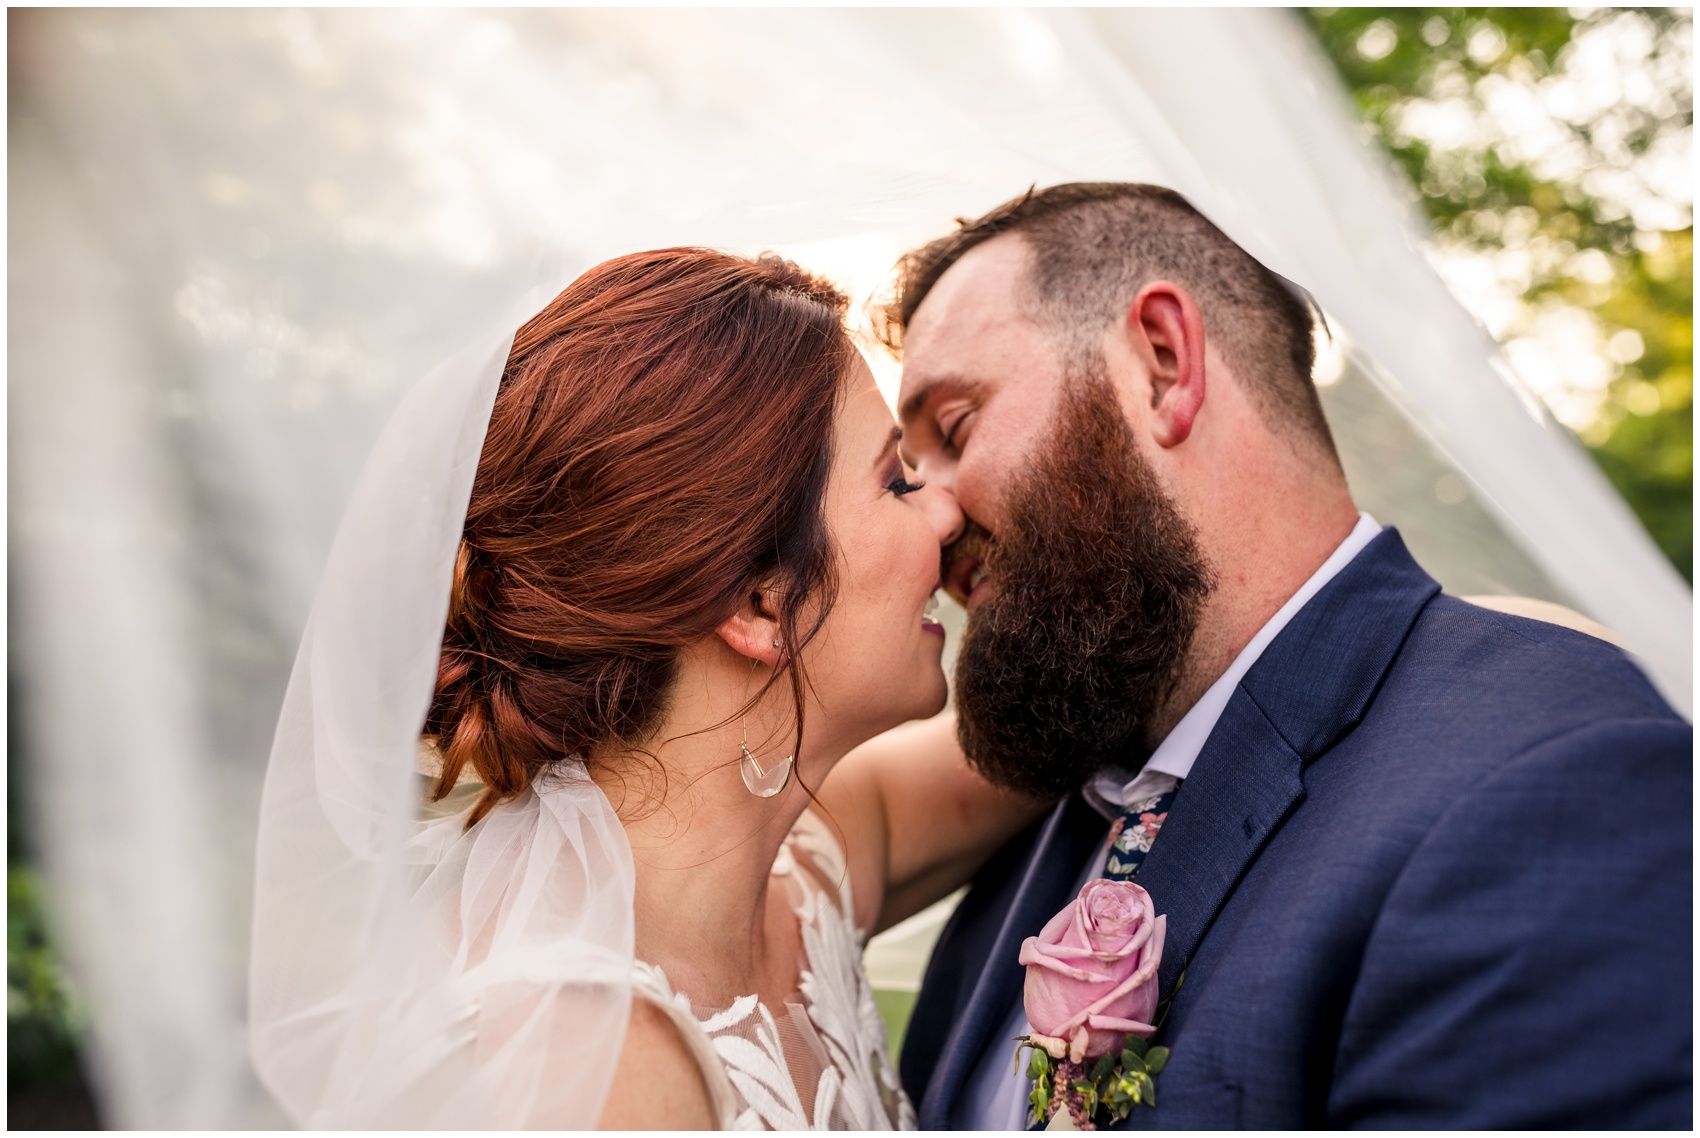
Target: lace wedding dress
<point>819,1062</point>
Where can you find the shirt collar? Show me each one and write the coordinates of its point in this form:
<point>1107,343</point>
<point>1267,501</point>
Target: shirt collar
<point>1175,755</point>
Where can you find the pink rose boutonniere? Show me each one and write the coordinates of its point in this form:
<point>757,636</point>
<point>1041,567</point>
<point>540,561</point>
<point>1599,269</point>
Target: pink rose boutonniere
<point>1091,1000</point>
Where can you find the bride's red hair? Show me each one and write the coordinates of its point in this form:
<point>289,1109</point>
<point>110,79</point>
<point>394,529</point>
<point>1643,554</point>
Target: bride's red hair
<point>659,447</point>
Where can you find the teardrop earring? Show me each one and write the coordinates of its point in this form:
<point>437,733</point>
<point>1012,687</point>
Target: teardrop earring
<point>761,783</point>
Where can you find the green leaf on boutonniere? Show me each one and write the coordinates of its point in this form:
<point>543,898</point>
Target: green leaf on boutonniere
<point>1105,1091</point>
<point>1041,1098</point>
<point>1039,1064</point>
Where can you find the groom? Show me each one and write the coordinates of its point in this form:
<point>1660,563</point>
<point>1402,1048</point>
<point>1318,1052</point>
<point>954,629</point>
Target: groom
<point>1423,864</point>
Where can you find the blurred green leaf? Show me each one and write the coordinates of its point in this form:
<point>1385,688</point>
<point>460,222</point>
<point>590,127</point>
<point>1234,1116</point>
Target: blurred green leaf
<point>44,1020</point>
<point>895,1008</point>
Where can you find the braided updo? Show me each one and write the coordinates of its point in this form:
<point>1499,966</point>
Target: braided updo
<point>659,448</point>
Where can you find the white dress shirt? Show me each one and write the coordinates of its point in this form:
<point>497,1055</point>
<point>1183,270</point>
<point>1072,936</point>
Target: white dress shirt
<point>996,1095</point>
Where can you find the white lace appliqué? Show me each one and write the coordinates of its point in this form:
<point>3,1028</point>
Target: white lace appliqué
<point>820,1063</point>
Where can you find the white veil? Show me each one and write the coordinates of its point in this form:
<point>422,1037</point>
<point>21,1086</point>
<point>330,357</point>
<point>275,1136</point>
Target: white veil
<point>407,973</point>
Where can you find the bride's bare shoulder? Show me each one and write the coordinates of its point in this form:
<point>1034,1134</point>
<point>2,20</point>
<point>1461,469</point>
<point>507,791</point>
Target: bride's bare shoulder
<point>657,1082</point>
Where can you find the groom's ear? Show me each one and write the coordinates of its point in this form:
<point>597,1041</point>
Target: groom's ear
<point>1165,332</point>
<point>753,630</point>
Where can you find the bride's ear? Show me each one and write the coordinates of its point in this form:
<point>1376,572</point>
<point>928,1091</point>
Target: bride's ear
<point>753,631</point>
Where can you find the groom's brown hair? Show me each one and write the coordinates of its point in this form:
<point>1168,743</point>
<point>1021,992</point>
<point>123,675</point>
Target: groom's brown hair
<point>1096,244</point>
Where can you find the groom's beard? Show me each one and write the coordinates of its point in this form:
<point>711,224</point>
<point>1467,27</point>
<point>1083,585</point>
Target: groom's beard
<point>1097,585</point>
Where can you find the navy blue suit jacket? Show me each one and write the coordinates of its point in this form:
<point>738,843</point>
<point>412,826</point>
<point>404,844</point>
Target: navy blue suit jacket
<point>1431,869</point>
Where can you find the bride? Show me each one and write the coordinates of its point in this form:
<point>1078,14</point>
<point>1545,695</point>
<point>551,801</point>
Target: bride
<point>569,819</point>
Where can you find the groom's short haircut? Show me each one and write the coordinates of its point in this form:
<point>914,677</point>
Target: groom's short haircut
<point>1096,244</point>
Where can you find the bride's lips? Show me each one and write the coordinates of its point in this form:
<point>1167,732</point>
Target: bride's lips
<point>928,623</point>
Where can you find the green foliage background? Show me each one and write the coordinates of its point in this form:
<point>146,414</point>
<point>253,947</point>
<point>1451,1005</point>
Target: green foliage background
<point>1484,196</point>
<point>43,1022</point>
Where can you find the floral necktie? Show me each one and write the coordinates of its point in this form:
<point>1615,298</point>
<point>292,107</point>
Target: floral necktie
<point>1131,835</point>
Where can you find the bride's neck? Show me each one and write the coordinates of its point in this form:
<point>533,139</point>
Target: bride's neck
<point>703,846</point>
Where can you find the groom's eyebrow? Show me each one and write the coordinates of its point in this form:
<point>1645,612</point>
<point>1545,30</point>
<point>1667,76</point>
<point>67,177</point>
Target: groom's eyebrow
<point>943,386</point>
<point>912,405</point>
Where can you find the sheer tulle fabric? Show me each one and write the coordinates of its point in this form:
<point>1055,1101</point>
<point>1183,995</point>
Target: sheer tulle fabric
<point>406,973</point>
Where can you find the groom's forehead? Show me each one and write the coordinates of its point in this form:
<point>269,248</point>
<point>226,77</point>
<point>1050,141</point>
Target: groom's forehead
<point>971,316</point>
<point>983,287</point>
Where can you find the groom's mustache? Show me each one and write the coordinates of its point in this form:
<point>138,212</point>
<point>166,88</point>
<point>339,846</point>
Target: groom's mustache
<point>961,562</point>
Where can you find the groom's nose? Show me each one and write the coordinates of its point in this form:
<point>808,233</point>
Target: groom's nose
<point>935,469</point>
<point>943,512</point>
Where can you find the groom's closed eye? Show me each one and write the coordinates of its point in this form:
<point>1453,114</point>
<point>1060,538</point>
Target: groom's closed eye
<point>951,433</point>
<point>941,406</point>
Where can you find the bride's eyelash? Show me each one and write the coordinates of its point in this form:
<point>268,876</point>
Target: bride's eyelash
<point>901,486</point>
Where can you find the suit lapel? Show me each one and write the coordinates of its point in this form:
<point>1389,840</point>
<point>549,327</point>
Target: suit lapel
<point>1059,855</point>
<point>1243,785</point>
<point>1310,686</point>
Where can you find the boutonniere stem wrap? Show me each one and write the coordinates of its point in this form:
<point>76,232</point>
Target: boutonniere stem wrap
<point>1091,997</point>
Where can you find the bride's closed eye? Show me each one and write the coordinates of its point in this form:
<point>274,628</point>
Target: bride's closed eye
<point>896,477</point>
<point>900,485</point>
